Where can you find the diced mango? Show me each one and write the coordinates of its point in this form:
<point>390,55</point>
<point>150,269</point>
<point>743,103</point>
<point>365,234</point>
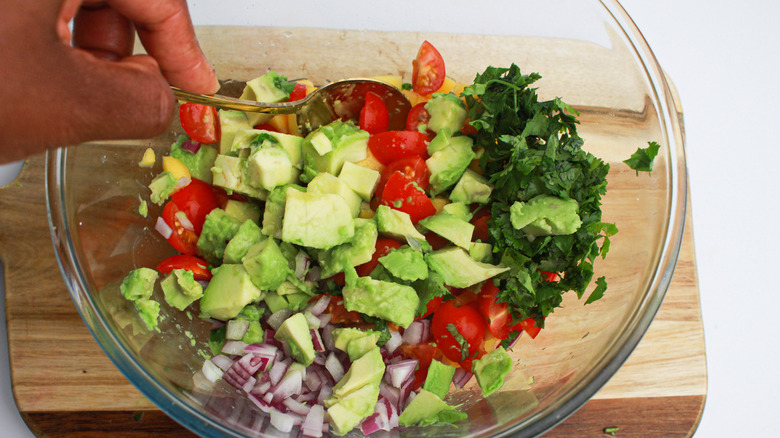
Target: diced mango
<point>371,162</point>
<point>415,98</point>
<point>394,80</point>
<point>148,159</point>
<point>176,167</point>
<point>280,123</point>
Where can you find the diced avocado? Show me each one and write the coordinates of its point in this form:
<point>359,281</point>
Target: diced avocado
<point>396,224</point>
<point>546,215</point>
<point>143,208</point>
<point>266,265</point>
<point>181,289</point>
<point>162,186</point>
<point>218,229</point>
<point>362,180</point>
<point>458,209</point>
<point>319,221</point>
<point>274,210</point>
<point>447,111</point>
<point>271,88</point>
<point>343,335</point>
<point>243,210</point>
<point>251,312</point>
<point>349,143</point>
<point>327,183</point>
<point>228,292</point>
<point>382,299</point>
<point>248,234</point>
<point>481,252</point>
<point>321,143</point>
<point>358,250</point>
<point>355,342</point>
<point>254,334</point>
<point>275,302</point>
<point>200,163</point>
<point>270,167</point>
<point>149,311</point>
<point>229,173</point>
<point>364,371</point>
<point>449,158</point>
<point>427,408</point>
<point>246,140</point>
<point>353,409</point>
<point>405,263</point>
<point>287,288</point>
<point>491,370</point>
<point>439,378</point>
<point>342,420</point>
<point>471,188</point>
<point>295,332</point>
<point>458,269</point>
<point>138,284</point>
<point>451,227</point>
<point>297,301</point>
<point>230,122</point>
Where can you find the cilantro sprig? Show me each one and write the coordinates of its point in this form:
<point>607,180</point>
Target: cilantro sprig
<point>642,159</point>
<point>532,148</point>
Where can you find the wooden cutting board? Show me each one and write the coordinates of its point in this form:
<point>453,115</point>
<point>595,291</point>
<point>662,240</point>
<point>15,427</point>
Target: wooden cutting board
<point>65,386</point>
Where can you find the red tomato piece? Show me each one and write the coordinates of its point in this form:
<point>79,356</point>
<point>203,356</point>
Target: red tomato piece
<point>200,122</point>
<point>339,313</point>
<point>529,326</point>
<point>184,240</point>
<point>383,247</point>
<point>480,222</point>
<point>431,307</point>
<point>427,70</point>
<point>413,167</point>
<point>418,115</point>
<point>402,194</point>
<point>390,146</point>
<point>424,353</point>
<point>497,314</point>
<point>298,92</point>
<point>437,242</point>
<point>549,276</point>
<point>198,267</point>
<point>453,325</point>
<point>373,116</point>
<point>196,200</point>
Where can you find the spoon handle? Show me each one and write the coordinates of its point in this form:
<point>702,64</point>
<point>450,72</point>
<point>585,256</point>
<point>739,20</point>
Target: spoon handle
<point>225,102</point>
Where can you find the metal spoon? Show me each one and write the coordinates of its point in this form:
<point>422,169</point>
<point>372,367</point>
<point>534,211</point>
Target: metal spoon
<point>336,100</point>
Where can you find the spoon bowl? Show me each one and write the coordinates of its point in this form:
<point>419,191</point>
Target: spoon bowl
<point>336,100</point>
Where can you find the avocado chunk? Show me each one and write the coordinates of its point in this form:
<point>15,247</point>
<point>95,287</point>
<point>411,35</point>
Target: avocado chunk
<point>274,210</point>
<point>199,163</point>
<point>270,87</point>
<point>439,378</point>
<point>230,122</point>
<point>295,332</point>
<point>396,224</point>
<point>481,252</point>
<point>458,269</point>
<point>362,180</point>
<point>450,227</point>
<point>491,369</point>
<point>358,250</point>
<point>471,188</point>
<point>270,167</point>
<point>218,229</point>
<point>138,284</point>
<point>327,183</point>
<point>405,263</point>
<point>364,371</point>
<point>254,333</point>
<point>382,299</point>
<point>228,292</point>
<point>351,410</point>
<point>458,209</point>
<point>355,342</point>
<point>180,288</point>
<point>339,142</point>
<point>162,187</point>
<point>243,211</point>
<point>248,234</point>
<point>149,311</point>
<point>427,408</point>
<point>230,174</point>
<point>545,215</point>
<point>316,220</point>
<point>447,112</point>
<point>449,158</point>
<point>247,140</point>
<point>266,265</point>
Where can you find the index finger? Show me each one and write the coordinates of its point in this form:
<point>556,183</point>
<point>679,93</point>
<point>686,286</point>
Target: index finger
<point>166,31</point>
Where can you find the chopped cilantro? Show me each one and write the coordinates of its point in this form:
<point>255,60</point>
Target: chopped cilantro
<point>611,430</point>
<point>464,345</point>
<point>642,159</point>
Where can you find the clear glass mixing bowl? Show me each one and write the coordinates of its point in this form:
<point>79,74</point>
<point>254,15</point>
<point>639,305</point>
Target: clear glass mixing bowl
<point>588,52</point>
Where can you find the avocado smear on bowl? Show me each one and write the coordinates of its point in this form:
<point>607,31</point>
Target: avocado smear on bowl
<point>356,277</point>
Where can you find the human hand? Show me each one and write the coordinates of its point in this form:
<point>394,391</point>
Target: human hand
<point>54,94</point>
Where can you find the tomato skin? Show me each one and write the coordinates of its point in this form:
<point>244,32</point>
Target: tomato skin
<point>549,276</point>
<point>185,241</point>
<point>383,247</point>
<point>497,314</point>
<point>401,194</point>
<point>413,167</point>
<point>437,242</point>
<point>390,146</point>
<point>428,71</point>
<point>418,115</point>
<point>431,307</point>
<point>298,92</point>
<point>339,313</point>
<point>528,325</point>
<point>374,117</point>
<point>198,267</point>
<point>468,322</point>
<point>424,353</point>
<point>481,227</point>
<point>196,200</point>
<point>200,122</point>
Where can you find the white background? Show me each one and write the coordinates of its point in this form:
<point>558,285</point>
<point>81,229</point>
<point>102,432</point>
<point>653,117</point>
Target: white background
<point>723,58</point>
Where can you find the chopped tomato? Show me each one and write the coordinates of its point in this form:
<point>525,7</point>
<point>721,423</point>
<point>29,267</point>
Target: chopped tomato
<point>413,167</point>
<point>383,247</point>
<point>393,145</point>
<point>402,194</point>
<point>437,242</point>
<point>200,122</point>
<point>418,115</point>
<point>267,127</point>
<point>549,276</point>
<point>497,314</point>
<point>459,332</point>
<point>339,313</point>
<point>480,222</point>
<point>196,200</point>
<point>427,69</point>
<point>298,92</point>
<point>198,267</point>
<point>529,326</point>
<point>424,353</point>
<point>431,307</point>
<point>184,240</point>
<point>373,116</point>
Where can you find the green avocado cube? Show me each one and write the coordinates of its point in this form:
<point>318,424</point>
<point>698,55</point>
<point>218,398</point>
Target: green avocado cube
<point>248,235</point>
<point>266,265</point>
<point>247,140</point>
<point>491,370</point>
<point>162,187</point>
<point>427,408</point>
<point>180,288</point>
<point>217,231</point>
<point>199,163</point>
<point>546,215</point>
<point>458,209</point>
<point>471,188</point>
<point>362,180</point>
<point>396,224</point>
<point>229,291</point>
<point>382,299</point>
<point>316,220</point>
<point>367,371</point>
<point>447,112</point>
<point>295,332</point>
<point>351,410</point>
<point>327,183</point>
<point>230,122</point>
<point>458,269</point>
<point>274,210</point>
<point>450,227</point>
<point>270,167</point>
<point>439,378</point>
<point>358,250</point>
<point>405,263</point>
<point>149,311</point>
<point>449,158</point>
<point>270,87</point>
<point>138,284</point>
<point>243,210</point>
<point>229,173</point>
<point>481,252</point>
<point>347,143</point>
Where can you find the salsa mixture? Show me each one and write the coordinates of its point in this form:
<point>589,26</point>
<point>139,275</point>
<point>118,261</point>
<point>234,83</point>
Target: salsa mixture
<point>356,275</point>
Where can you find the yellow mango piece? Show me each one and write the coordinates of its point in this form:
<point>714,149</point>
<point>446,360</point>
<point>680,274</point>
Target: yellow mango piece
<point>176,167</point>
<point>148,159</point>
<point>447,86</point>
<point>439,203</point>
<point>280,123</point>
<point>370,162</point>
<point>394,80</point>
<point>415,98</point>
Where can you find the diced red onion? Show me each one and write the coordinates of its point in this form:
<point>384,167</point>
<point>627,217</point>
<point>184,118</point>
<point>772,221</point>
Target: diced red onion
<point>313,381</point>
<point>312,320</point>
<point>268,397</point>
<point>372,424</point>
<point>296,407</point>
<point>278,370</point>
<point>291,384</point>
<point>461,377</point>
<point>301,265</point>
<point>312,424</point>
<point>319,306</point>
<point>317,340</point>
<point>261,388</point>
<point>514,341</point>
<point>249,385</point>
<point>401,372</point>
<point>394,342</point>
<point>183,182</point>
<point>308,398</point>
<point>426,323</point>
<point>184,221</point>
<point>211,371</point>
<point>222,361</point>
<point>234,347</point>
<point>334,367</point>
<point>242,370</point>
<point>413,334</point>
<point>163,228</point>
<point>319,359</point>
<point>201,383</point>
<point>236,329</point>
<point>203,283</point>
<point>282,422</point>
<point>325,319</point>
<point>325,393</point>
<point>409,399</point>
<point>277,318</point>
<point>265,351</point>
<point>404,393</point>
<point>191,146</point>
<point>390,394</point>
<point>215,323</point>
<point>327,338</point>
<point>315,274</point>
<point>392,412</point>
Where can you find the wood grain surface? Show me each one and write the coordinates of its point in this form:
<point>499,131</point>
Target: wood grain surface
<point>65,386</point>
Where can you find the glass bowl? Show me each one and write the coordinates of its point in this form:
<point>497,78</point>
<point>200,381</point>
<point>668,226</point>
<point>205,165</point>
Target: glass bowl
<point>588,53</point>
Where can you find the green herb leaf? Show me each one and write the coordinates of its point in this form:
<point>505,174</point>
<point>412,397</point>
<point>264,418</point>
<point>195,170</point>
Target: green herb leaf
<point>642,159</point>
<point>464,345</point>
<point>611,430</point>
<point>601,287</point>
